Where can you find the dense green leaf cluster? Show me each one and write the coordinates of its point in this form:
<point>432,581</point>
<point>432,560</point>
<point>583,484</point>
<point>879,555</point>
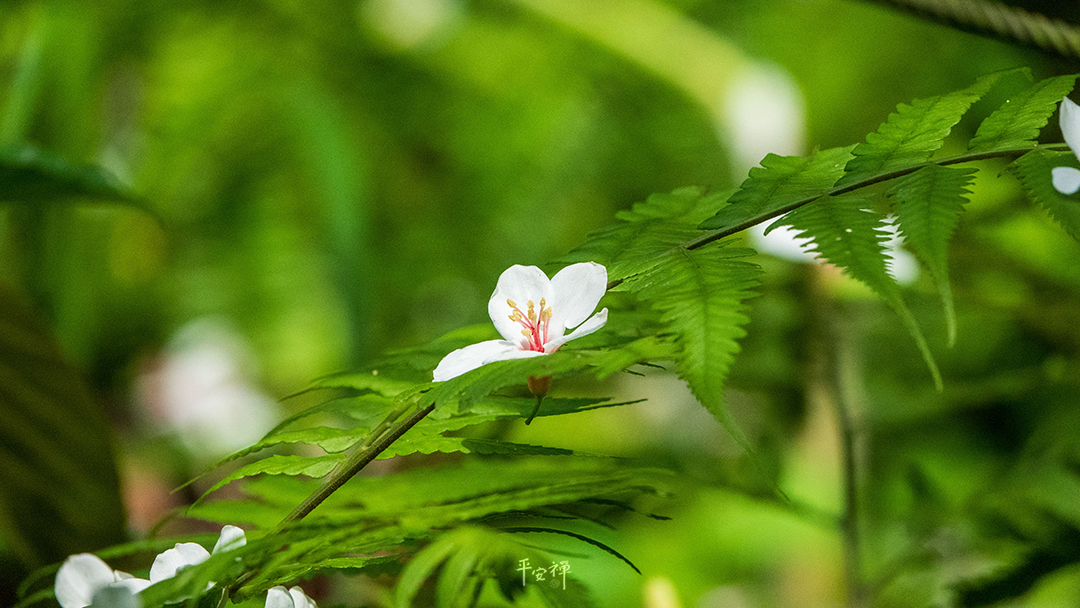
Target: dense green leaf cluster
<point>683,285</point>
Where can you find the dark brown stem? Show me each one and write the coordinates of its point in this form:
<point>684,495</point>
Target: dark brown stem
<point>998,20</point>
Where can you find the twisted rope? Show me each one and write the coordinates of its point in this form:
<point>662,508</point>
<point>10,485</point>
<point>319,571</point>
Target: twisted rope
<point>998,20</point>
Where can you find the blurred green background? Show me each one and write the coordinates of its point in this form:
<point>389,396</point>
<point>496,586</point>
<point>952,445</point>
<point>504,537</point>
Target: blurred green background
<point>321,181</point>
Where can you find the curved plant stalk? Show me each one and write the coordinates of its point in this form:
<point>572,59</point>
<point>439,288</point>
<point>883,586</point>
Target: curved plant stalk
<point>360,455</point>
<point>837,372</point>
<point>998,20</point>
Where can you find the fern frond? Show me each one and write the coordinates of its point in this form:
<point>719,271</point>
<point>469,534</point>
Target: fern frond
<point>1033,170</point>
<point>912,134</point>
<point>845,232</point>
<point>645,232</point>
<point>700,295</point>
<point>779,183</point>
<point>395,514</point>
<point>1018,122</point>
<point>930,202</point>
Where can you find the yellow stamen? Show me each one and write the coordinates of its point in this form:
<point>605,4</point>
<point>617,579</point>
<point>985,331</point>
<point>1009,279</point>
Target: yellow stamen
<point>526,332</point>
<point>511,303</point>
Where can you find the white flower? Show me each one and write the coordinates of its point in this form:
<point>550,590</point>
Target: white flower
<point>84,578</point>
<point>183,555</point>
<point>1066,180</point>
<point>278,597</point>
<point>532,313</point>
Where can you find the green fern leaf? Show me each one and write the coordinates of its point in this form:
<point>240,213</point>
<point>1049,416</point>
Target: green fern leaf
<point>700,295</point>
<point>648,230</point>
<point>847,234</point>
<point>930,203</point>
<point>912,134</point>
<point>314,466</point>
<point>1018,122</point>
<point>778,184</point>
<point>1033,170</point>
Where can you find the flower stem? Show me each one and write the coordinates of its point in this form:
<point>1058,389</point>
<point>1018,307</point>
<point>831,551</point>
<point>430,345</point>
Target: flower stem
<point>838,374</point>
<point>359,457</point>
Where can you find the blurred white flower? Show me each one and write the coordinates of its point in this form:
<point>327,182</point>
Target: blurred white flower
<point>1066,180</point>
<point>201,389</point>
<point>763,111</point>
<point>408,24</point>
<point>551,307</point>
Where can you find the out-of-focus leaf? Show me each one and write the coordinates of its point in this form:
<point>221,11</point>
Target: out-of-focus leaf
<point>59,492</point>
<point>32,175</point>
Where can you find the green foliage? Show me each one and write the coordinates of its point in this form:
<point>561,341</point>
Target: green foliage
<point>1017,123</point>
<point>929,204</point>
<point>700,295</point>
<point>911,135</point>
<point>647,232</point>
<point>1033,169</point>
<point>454,530</point>
<point>780,184</point>
<point>59,490</point>
<point>34,176</point>
<point>395,514</point>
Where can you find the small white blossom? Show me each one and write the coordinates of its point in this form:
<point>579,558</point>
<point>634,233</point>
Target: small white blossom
<point>1066,180</point>
<point>183,555</point>
<point>86,580</point>
<point>532,313</point>
<point>278,597</point>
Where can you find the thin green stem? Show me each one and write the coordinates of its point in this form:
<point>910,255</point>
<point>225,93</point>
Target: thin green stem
<point>847,399</point>
<point>835,376</point>
<point>359,457</point>
<point>870,181</point>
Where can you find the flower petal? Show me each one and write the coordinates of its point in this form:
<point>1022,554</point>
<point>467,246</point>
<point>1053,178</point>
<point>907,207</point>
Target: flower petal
<point>1069,119</point>
<point>231,538</point>
<point>116,596</point>
<point>1066,180</point>
<point>594,323</point>
<point>79,578</point>
<point>576,290</point>
<point>300,600</point>
<point>182,555</point>
<point>278,597</point>
<point>132,584</point>
<point>519,284</point>
<point>471,357</point>
<point>515,354</point>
